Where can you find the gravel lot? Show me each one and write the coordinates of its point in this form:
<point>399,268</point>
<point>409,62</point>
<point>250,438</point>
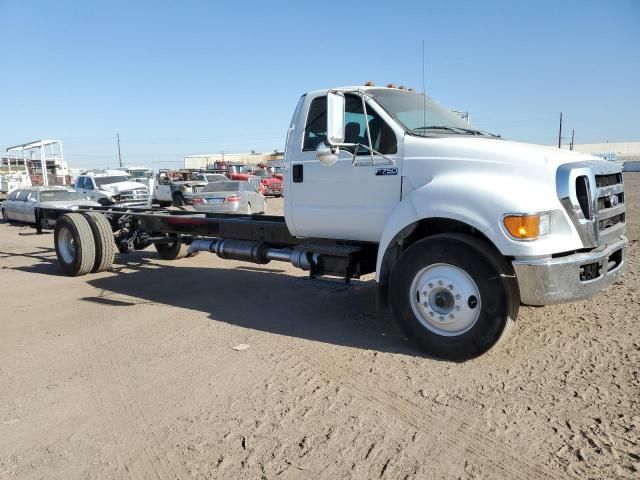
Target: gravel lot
<point>132,374</point>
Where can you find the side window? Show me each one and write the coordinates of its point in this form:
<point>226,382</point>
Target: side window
<point>383,139</point>
<point>315,131</point>
<point>88,183</point>
<point>33,197</point>
<point>21,195</point>
<point>13,195</point>
<point>80,182</point>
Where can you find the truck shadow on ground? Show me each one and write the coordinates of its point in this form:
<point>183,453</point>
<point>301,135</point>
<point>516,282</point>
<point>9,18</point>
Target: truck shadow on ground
<point>264,300</point>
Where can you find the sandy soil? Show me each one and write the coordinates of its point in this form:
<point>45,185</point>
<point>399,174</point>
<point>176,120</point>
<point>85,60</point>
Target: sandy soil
<point>132,374</point>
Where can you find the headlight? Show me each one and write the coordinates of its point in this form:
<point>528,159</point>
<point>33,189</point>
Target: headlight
<point>183,188</point>
<point>527,227</point>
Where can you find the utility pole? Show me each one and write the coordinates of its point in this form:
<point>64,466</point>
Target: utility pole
<point>573,132</point>
<point>119,155</point>
<point>560,132</point>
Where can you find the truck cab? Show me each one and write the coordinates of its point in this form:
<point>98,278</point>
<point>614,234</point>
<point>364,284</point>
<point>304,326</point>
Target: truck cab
<point>442,202</point>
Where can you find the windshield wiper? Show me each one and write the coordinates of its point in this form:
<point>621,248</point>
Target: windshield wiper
<point>469,131</point>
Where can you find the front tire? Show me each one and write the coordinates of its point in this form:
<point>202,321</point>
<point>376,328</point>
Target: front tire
<point>75,246</point>
<point>454,296</point>
<point>172,251</point>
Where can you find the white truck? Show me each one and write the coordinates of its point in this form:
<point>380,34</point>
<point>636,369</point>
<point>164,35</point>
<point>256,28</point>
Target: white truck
<point>459,226</point>
<point>112,187</point>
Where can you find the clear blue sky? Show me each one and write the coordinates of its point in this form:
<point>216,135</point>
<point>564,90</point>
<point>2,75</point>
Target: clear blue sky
<point>176,78</point>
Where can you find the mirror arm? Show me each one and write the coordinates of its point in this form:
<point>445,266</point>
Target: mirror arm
<point>364,110</point>
<point>371,151</point>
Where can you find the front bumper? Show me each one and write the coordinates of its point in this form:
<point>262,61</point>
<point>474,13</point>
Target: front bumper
<point>574,277</point>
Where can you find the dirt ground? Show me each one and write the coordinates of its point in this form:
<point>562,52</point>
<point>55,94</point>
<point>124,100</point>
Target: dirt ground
<point>132,374</point>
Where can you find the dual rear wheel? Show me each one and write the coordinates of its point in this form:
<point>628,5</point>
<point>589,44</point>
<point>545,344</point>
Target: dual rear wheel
<point>84,243</point>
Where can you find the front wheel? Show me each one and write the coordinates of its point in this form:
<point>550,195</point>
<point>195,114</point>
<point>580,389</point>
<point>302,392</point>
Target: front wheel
<point>454,296</point>
<point>172,251</point>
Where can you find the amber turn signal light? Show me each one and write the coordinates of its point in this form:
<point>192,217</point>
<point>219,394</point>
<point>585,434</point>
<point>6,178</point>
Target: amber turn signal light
<point>522,227</point>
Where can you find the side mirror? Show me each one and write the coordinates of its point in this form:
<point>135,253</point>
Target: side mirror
<point>326,155</point>
<point>335,118</point>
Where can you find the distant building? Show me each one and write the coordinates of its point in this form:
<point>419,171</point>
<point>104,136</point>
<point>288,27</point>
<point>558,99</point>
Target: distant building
<point>201,161</point>
<point>615,152</point>
<point>627,153</point>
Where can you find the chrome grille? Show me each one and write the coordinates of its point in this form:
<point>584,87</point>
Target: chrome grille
<point>610,206</point>
<point>592,194</point>
<point>256,182</point>
<point>137,196</point>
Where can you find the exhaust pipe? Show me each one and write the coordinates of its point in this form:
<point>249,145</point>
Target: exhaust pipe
<point>254,252</point>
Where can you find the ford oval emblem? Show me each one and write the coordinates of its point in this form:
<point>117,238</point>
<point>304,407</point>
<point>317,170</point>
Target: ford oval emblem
<point>613,200</point>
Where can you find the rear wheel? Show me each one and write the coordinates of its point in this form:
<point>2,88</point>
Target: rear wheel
<point>454,296</point>
<point>172,251</point>
<point>103,238</point>
<point>75,246</point>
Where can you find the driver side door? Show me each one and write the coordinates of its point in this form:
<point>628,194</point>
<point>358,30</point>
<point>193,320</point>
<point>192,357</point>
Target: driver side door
<point>347,200</point>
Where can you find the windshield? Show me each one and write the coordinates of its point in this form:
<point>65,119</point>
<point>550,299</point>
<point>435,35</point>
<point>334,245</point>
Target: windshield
<point>139,174</point>
<point>417,113</point>
<point>261,173</point>
<point>56,195</point>
<point>100,181</point>
<point>216,178</point>
<point>222,187</point>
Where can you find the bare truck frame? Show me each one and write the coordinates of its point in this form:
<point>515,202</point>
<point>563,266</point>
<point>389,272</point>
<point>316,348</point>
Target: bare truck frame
<point>86,239</point>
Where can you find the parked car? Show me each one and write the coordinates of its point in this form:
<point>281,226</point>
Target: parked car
<point>112,187</point>
<point>177,187</point>
<point>21,203</point>
<point>213,177</point>
<point>230,197</point>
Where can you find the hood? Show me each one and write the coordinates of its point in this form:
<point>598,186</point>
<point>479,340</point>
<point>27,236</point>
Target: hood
<point>191,183</point>
<point>68,203</point>
<point>478,155</point>
<point>122,186</point>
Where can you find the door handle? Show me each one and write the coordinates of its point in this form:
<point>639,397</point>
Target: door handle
<point>298,173</point>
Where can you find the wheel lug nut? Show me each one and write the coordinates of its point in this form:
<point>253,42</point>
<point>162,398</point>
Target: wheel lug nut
<point>425,304</point>
<point>450,287</point>
<point>440,282</point>
<point>457,308</point>
<point>431,314</point>
<point>457,297</point>
<point>451,315</point>
<point>430,285</point>
<point>441,318</point>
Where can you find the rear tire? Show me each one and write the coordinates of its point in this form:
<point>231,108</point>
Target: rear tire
<point>172,251</point>
<point>103,238</point>
<point>75,246</point>
<point>454,296</point>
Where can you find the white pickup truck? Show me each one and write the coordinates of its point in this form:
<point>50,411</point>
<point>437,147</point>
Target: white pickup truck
<point>459,226</point>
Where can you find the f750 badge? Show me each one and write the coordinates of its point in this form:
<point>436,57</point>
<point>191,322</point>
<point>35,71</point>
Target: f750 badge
<point>386,171</point>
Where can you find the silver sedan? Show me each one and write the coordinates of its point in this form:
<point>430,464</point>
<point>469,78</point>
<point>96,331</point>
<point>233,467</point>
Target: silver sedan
<point>230,197</point>
<point>21,203</point>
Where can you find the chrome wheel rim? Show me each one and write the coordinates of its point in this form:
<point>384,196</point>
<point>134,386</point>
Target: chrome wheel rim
<point>66,245</point>
<point>445,299</point>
